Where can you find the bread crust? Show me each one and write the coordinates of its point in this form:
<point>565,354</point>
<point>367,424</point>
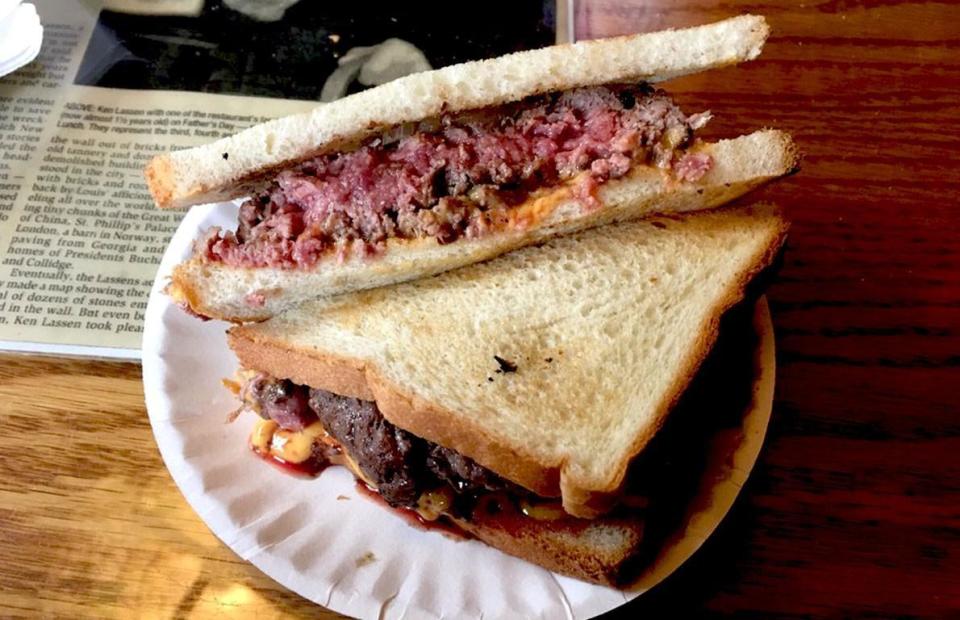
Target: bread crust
<point>565,550</point>
<point>341,375</point>
<point>741,164</point>
<point>406,410</point>
<point>355,378</point>
<point>582,495</point>
<point>235,166</point>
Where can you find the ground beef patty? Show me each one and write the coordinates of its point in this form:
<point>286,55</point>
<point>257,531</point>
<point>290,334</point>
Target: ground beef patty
<point>401,465</point>
<point>458,175</point>
<point>389,456</point>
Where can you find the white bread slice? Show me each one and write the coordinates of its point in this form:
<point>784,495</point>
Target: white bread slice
<point>236,166</point>
<point>220,291</point>
<point>606,328</point>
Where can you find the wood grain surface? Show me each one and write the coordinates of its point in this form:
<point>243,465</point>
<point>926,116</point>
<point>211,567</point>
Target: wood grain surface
<point>854,508</point>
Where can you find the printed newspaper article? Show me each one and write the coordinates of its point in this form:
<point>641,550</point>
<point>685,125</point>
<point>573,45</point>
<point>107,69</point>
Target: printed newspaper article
<point>80,238</point>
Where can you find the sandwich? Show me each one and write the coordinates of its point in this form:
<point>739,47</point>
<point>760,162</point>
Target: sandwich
<point>447,168</point>
<point>510,398</point>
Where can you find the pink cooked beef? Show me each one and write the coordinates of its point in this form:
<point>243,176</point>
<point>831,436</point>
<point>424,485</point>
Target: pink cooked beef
<point>459,177</point>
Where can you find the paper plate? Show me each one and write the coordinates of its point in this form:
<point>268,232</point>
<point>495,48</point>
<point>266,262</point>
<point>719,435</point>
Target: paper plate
<point>351,555</point>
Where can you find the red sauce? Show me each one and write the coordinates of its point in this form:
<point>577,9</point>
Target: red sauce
<point>311,468</point>
<point>498,510</point>
<point>442,525</point>
<point>504,512</point>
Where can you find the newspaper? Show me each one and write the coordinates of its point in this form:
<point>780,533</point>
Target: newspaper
<point>115,84</point>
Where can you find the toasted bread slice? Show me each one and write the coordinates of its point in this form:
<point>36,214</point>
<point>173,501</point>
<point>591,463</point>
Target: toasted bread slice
<point>594,550</point>
<point>552,365</point>
<point>236,166</point>
<point>221,291</point>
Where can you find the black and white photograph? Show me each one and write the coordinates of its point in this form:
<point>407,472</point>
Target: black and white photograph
<point>303,49</point>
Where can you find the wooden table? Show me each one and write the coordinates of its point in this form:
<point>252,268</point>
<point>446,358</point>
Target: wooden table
<point>852,510</point>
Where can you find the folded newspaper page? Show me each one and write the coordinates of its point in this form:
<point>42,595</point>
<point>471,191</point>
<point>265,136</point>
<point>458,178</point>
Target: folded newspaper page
<point>119,82</point>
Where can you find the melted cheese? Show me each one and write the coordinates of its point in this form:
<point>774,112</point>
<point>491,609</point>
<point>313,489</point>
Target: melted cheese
<point>542,511</point>
<point>432,504</point>
<point>296,446</point>
<point>262,435</point>
<point>290,446</point>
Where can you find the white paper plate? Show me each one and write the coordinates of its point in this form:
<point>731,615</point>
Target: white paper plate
<point>299,533</point>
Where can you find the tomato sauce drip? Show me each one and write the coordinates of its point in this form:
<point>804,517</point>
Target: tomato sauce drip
<point>443,525</point>
<point>311,468</point>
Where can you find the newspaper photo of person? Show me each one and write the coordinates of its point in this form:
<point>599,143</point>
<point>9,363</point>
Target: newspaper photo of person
<point>298,50</point>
